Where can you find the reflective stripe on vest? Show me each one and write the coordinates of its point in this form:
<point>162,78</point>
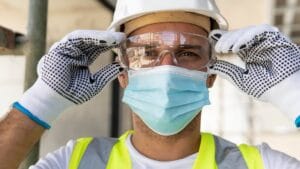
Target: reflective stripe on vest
<point>214,153</point>
<point>79,150</point>
<point>251,156</point>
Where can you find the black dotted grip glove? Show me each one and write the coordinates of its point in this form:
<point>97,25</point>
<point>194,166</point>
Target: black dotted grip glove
<point>64,77</point>
<point>272,65</point>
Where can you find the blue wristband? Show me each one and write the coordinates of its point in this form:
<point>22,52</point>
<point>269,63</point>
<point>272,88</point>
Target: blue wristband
<point>22,109</point>
<point>297,122</point>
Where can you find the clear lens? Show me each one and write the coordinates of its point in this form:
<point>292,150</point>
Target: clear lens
<point>187,50</point>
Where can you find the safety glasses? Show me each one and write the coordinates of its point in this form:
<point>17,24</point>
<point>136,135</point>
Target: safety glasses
<point>187,50</point>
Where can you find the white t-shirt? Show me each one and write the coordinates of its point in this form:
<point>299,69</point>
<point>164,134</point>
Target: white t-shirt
<point>59,159</point>
<point>141,162</point>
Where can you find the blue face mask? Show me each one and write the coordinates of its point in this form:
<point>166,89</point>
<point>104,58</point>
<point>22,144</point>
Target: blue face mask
<point>167,98</point>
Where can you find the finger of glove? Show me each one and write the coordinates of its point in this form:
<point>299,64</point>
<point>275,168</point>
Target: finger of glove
<point>256,30</point>
<point>40,66</point>
<point>89,44</point>
<point>55,45</point>
<point>216,34</point>
<point>243,41</point>
<point>248,37</point>
<point>99,38</point>
<point>228,71</point>
<point>106,74</point>
<point>227,41</point>
<point>112,40</point>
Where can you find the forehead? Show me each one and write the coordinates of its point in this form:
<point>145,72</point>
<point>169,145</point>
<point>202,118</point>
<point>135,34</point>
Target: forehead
<point>170,26</point>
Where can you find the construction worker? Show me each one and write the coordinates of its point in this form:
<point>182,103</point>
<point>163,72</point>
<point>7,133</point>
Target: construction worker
<point>166,66</point>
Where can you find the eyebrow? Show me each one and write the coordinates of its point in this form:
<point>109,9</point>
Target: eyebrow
<point>154,46</point>
<point>144,45</point>
<point>190,46</point>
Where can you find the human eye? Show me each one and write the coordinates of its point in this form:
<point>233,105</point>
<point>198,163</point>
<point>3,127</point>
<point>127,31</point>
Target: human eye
<point>150,52</point>
<point>188,54</point>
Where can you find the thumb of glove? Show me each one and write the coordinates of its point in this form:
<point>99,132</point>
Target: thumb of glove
<point>228,71</point>
<point>39,66</point>
<point>106,74</point>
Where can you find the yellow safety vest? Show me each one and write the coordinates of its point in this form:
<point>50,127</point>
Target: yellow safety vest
<point>116,156</point>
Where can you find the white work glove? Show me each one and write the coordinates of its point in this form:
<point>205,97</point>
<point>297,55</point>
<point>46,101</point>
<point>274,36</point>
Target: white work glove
<point>272,62</point>
<point>64,78</point>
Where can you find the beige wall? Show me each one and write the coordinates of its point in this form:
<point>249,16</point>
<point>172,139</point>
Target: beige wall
<point>241,13</point>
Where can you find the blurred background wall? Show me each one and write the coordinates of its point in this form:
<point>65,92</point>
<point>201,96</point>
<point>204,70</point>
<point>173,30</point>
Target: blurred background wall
<point>232,114</point>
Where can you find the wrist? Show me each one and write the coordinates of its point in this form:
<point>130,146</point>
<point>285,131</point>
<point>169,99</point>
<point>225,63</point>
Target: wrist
<point>42,104</point>
<point>286,95</point>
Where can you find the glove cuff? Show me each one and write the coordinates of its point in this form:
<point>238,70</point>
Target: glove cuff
<point>286,95</point>
<point>42,104</point>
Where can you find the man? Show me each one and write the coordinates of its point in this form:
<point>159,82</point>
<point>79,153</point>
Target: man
<point>169,66</point>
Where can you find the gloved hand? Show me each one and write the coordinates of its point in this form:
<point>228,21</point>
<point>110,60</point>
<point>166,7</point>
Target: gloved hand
<point>272,62</point>
<point>64,78</point>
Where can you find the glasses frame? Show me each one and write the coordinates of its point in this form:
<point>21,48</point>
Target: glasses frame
<point>122,54</point>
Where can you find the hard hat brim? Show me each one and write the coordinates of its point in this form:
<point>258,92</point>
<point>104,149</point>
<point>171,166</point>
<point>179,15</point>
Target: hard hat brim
<point>220,21</point>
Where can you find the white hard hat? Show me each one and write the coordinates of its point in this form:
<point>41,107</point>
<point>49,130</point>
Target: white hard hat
<point>127,10</point>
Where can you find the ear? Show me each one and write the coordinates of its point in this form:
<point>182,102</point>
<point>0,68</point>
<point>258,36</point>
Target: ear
<point>211,80</point>
<point>123,79</point>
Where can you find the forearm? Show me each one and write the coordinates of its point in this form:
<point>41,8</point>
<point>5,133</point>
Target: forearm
<point>18,134</point>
